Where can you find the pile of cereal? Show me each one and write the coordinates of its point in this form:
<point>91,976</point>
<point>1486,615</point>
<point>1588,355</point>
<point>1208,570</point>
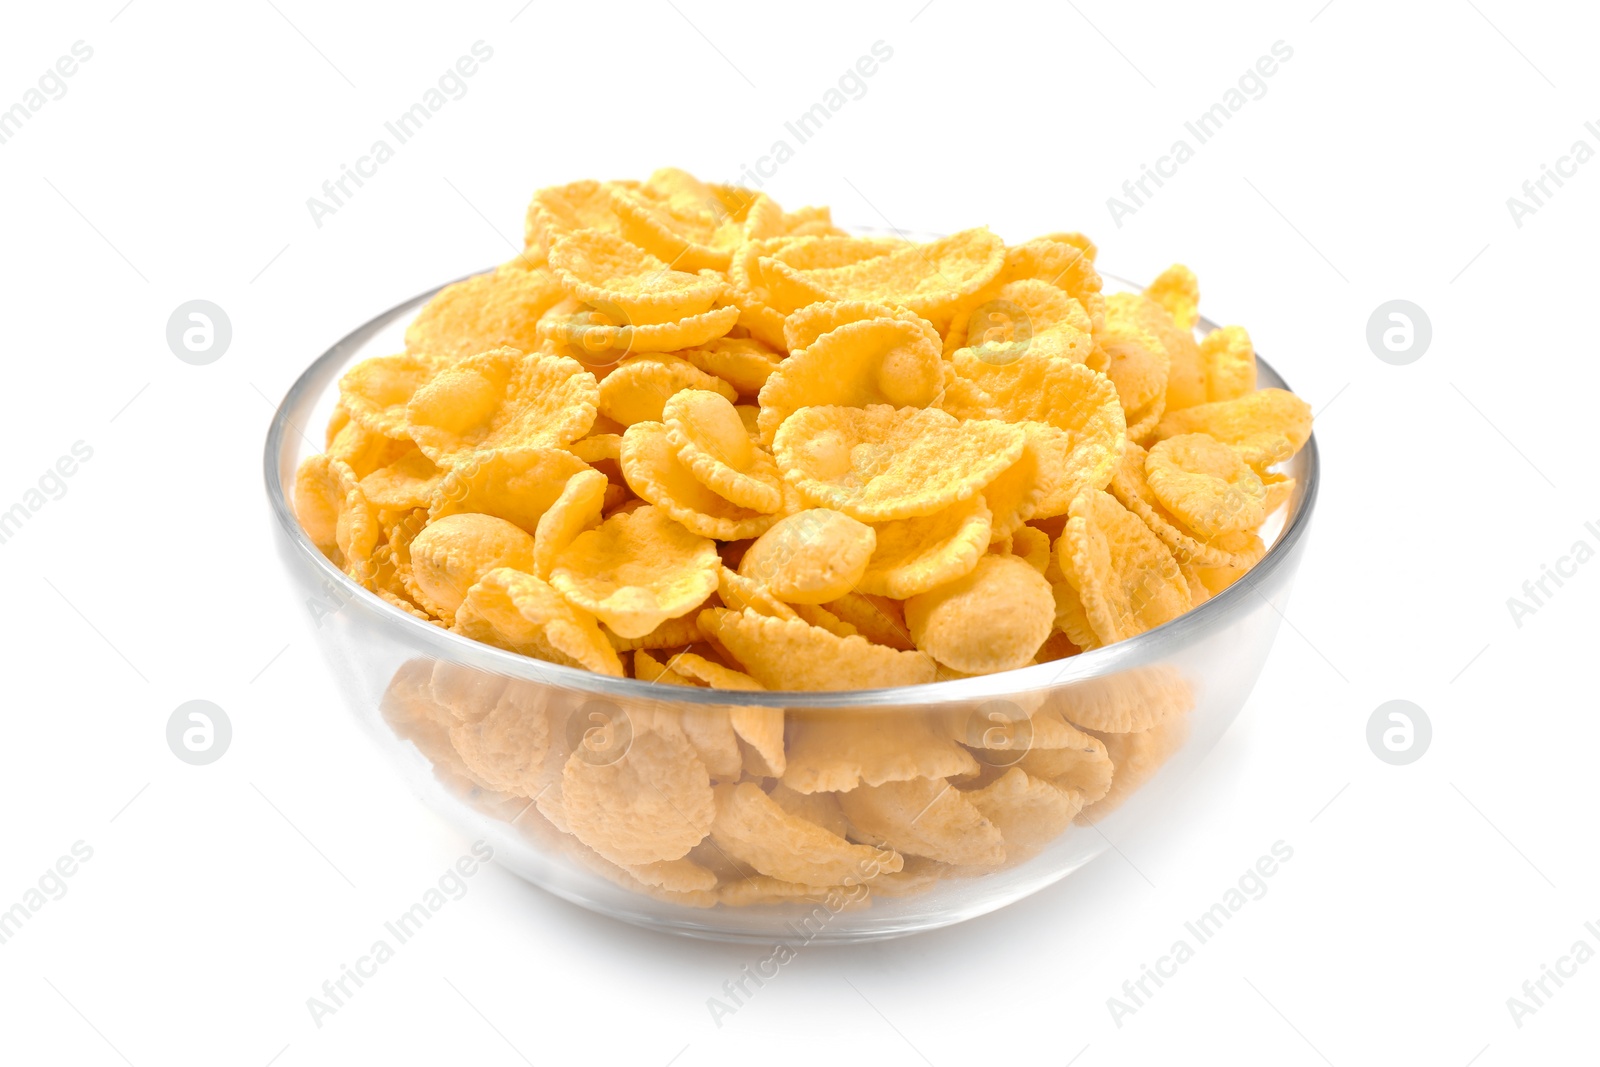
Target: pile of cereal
<point>692,438</point>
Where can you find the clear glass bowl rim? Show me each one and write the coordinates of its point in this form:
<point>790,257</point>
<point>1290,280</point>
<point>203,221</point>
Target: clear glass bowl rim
<point>1146,648</point>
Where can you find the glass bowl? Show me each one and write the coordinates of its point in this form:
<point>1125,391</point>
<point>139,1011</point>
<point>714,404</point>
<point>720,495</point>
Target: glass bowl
<point>493,741</point>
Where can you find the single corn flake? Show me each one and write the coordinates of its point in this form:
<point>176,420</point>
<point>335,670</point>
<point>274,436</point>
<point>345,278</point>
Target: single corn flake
<point>837,751</point>
<point>653,470</point>
<point>754,829</point>
<point>453,553</point>
<point>636,570</point>
<point>1178,291</point>
<point>520,613</point>
<point>916,555</point>
<point>810,557</point>
<point>640,386</point>
<point>992,619</point>
<point>801,328</point>
<point>1132,490</point>
<point>375,391</point>
<point>500,399</point>
<point>925,817</point>
<point>1123,573</point>
<point>1267,426</point>
<point>606,271</point>
<point>1030,812</point>
<point>743,362</point>
<point>577,508</point>
<point>794,654</point>
<point>409,482</point>
<point>710,439</point>
<point>500,308</point>
<point>876,361</point>
<point>881,463</point>
<point>515,484</point>
<point>879,619</point>
<point>1230,363</point>
<point>653,804</point>
<point>1206,484</point>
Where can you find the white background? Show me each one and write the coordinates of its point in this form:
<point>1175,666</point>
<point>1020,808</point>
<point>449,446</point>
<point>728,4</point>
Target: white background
<point>1377,166</point>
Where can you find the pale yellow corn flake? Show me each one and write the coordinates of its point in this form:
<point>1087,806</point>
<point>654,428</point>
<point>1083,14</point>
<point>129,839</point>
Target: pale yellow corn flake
<point>451,554</point>
<point>321,486</point>
<point>558,210</point>
<point>1186,376</point>
<point>1278,489</point>
<point>881,463</point>
<point>738,593</point>
<point>488,311</point>
<point>671,634</point>
<point>356,533</point>
<point>890,361</point>
<point>636,570</point>
<point>710,439</point>
<point>653,470</point>
<point>603,335</point>
<point>743,362</point>
<point>1178,292</point>
<point>761,728</point>
<point>653,804</point>
<point>794,654</point>
<point>1029,812</point>
<point>638,389</point>
<point>408,482</point>
<point>675,876</point>
<point>821,809</point>
<point>1136,758</point>
<point>925,817</point>
<point>575,509</point>
<point>1229,359</point>
<point>810,557</point>
<point>804,326</point>
<point>365,450</point>
<point>375,391</point>
<point>1129,486</point>
<point>516,484</point>
<point>1126,702</point>
<point>1139,367</point>
<point>504,749</point>
<point>1267,426</point>
<point>1125,576</point>
<point>520,613</point>
<point>1032,545</point>
<point>992,619</point>
<point>838,751</point>
<point>755,830</point>
<point>1080,766</point>
<point>604,270</point>
<point>1071,619</point>
<point>1206,485</point>
<point>502,399</point>
<point>916,555</point>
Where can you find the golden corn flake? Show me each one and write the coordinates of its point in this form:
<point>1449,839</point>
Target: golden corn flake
<point>502,399</point>
<point>1132,490</point>
<point>609,272</point>
<point>1139,366</point>
<point>409,482</point>
<point>875,361</point>
<point>1186,376</point>
<point>1267,426</point>
<point>603,335</point>
<point>1071,619</point>
<point>653,804</point>
<point>515,484</point>
<point>1205,484</point>
<point>1126,702</point>
<point>562,209</point>
<point>743,362</point>
<point>1032,545</point>
<point>837,751</point>
<point>755,830</point>
<point>810,557</point>
<point>739,593</point>
<point>1079,766</point>
<point>803,327</point>
<point>880,463</point>
<point>500,308</point>
<point>637,570</point>
<point>504,749</point>
<point>710,438</point>
<point>1230,363</point>
<point>1029,812</point>
<point>1126,578</point>
<point>925,817</point>
<point>916,555</point>
<point>321,487</point>
<point>375,391</point>
<point>575,510</point>
<point>1278,489</point>
<point>653,470</point>
<point>452,553</point>
<point>1178,291</point>
<point>520,613</point>
<point>879,619</point>
<point>365,450</point>
<point>794,654</point>
<point>640,386</point>
<point>992,619</point>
